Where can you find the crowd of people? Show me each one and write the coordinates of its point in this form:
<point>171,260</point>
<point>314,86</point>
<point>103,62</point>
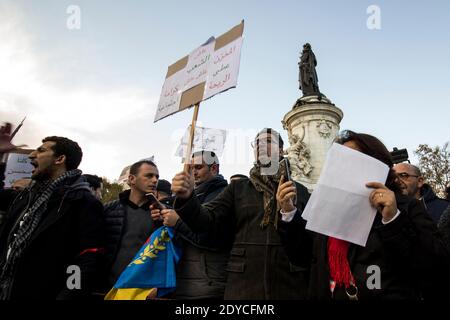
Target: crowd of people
<point>242,239</point>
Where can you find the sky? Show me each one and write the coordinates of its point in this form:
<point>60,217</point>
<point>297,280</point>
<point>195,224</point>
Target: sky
<point>100,84</point>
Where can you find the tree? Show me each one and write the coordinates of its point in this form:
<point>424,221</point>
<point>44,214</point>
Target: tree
<point>110,190</point>
<point>434,164</point>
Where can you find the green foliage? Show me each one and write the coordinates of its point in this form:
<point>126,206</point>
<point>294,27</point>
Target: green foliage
<point>110,190</point>
<point>434,164</point>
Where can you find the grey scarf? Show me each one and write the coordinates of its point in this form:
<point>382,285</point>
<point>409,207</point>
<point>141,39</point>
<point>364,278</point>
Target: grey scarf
<point>29,220</point>
<point>268,185</point>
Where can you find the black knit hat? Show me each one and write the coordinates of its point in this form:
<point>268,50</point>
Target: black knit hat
<point>164,186</point>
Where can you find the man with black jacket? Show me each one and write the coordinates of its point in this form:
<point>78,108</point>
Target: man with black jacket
<point>248,210</point>
<point>128,220</point>
<point>201,271</point>
<point>51,242</point>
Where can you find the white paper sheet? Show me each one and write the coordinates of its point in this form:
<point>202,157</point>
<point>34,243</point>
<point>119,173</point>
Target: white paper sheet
<point>18,166</point>
<point>198,65</point>
<point>169,101</point>
<point>204,139</point>
<point>339,205</point>
<point>224,69</point>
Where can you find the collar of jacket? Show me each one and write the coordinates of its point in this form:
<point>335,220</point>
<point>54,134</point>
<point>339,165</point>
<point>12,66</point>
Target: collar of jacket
<point>124,198</point>
<point>72,189</point>
<point>427,193</point>
<point>211,185</point>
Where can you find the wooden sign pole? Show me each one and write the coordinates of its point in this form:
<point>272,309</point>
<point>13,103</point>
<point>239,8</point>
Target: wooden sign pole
<point>187,158</point>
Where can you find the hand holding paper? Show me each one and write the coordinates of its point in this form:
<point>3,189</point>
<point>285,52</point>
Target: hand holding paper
<point>383,200</point>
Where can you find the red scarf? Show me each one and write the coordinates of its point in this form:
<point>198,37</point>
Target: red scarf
<point>337,261</point>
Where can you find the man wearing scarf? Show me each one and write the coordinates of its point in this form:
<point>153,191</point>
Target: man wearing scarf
<point>249,210</point>
<point>51,241</point>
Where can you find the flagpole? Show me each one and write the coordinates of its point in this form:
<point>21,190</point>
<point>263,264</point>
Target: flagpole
<point>187,158</point>
<point>18,128</point>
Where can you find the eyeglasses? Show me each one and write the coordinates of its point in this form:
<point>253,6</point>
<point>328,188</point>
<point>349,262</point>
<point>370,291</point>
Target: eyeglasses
<point>405,175</point>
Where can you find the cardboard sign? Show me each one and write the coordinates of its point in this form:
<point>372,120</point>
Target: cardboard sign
<point>187,79</point>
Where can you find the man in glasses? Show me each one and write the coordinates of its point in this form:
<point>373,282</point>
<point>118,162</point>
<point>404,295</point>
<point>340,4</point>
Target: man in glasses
<point>413,185</point>
<point>249,211</point>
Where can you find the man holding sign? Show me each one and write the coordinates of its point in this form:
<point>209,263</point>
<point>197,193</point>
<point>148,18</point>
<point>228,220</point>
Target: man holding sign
<point>250,210</point>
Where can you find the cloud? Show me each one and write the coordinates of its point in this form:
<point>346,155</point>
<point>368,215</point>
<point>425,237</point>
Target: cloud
<point>94,116</point>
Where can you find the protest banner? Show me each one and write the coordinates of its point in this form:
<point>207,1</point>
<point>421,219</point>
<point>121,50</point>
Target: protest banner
<point>208,70</point>
<point>18,166</point>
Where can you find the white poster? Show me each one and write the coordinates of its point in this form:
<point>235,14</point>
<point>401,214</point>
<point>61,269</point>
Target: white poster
<point>169,101</point>
<point>339,205</point>
<point>224,69</point>
<point>18,166</point>
<point>204,139</point>
<point>198,65</point>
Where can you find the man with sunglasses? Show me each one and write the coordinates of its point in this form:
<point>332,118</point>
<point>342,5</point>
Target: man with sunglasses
<point>413,185</point>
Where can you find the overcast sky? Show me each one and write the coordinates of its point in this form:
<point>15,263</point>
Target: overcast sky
<point>100,85</point>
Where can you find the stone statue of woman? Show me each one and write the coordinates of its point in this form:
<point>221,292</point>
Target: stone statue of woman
<point>308,81</point>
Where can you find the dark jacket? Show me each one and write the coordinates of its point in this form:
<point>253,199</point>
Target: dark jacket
<point>409,252</point>
<point>70,233</point>
<point>258,266</point>
<point>201,270</point>
<point>435,206</point>
<point>444,229</point>
<point>114,216</point>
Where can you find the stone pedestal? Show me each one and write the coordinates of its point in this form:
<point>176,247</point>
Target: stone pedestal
<point>312,125</point>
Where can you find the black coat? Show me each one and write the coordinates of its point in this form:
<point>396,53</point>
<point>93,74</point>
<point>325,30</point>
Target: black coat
<point>258,266</point>
<point>435,206</point>
<point>114,216</point>
<point>201,270</point>
<point>70,233</point>
<point>409,252</point>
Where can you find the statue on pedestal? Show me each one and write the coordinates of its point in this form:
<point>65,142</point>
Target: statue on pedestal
<point>308,81</point>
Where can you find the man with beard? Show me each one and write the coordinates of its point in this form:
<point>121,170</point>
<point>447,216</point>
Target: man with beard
<point>128,220</point>
<point>249,211</point>
<point>51,241</point>
<point>413,185</point>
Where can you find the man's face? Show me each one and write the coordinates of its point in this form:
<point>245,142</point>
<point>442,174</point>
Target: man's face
<point>267,149</point>
<point>201,171</point>
<point>145,180</point>
<point>409,180</point>
<point>44,161</point>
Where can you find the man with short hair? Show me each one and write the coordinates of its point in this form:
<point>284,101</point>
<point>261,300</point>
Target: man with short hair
<point>128,220</point>
<point>413,185</point>
<point>201,271</point>
<point>52,239</point>
<point>249,211</point>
